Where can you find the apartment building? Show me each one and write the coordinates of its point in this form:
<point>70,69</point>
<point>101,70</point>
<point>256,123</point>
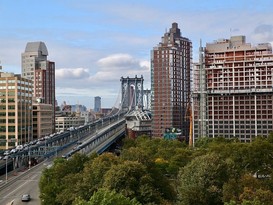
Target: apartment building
<point>170,82</point>
<point>236,91</point>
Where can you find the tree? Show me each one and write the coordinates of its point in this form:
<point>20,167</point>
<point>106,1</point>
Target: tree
<point>51,185</point>
<point>93,174</point>
<point>106,197</point>
<point>247,190</point>
<point>203,142</point>
<point>70,189</point>
<point>201,181</point>
<point>132,179</point>
<point>136,154</point>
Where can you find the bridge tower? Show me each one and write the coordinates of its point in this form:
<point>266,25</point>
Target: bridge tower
<point>131,93</point>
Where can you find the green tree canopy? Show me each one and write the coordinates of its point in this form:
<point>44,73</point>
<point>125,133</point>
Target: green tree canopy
<point>132,179</point>
<point>106,197</point>
<point>201,181</point>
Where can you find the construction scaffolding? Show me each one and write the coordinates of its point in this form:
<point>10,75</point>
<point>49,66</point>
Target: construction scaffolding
<point>199,98</point>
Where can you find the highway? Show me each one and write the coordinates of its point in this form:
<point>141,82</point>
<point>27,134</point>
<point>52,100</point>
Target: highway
<point>26,182</point>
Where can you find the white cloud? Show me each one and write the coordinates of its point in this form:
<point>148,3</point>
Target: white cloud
<point>118,61</point>
<point>115,66</point>
<point>71,73</point>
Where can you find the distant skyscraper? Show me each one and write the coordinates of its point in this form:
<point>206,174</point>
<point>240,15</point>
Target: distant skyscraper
<point>37,68</point>
<point>233,96</point>
<point>170,82</point>
<point>97,106</point>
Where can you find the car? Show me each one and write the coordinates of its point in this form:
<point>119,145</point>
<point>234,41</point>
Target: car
<point>19,147</point>
<point>13,151</point>
<point>25,197</point>
<point>6,157</point>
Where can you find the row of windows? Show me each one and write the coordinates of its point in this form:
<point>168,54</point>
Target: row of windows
<point>243,98</point>
<point>9,120</point>
<point>3,100</point>
<point>246,107</point>
<point>13,81</point>
<point>239,117</point>
<point>6,81</point>
<point>222,132</point>
<point>242,122</point>
<point>241,127</point>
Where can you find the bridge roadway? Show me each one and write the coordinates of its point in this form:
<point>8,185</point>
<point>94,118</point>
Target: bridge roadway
<point>33,154</point>
<point>101,140</point>
<point>27,181</point>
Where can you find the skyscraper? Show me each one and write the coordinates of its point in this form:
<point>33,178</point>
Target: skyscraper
<point>97,106</point>
<point>236,92</point>
<point>170,82</point>
<point>41,71</point>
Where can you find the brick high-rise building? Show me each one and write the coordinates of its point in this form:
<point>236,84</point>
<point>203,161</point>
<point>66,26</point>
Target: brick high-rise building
<point>235,85</point>
<point>37,68</point>
<point>170,82</point>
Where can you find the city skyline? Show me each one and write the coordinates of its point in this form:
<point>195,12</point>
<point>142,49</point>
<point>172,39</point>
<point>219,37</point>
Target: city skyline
<point>95,43</point>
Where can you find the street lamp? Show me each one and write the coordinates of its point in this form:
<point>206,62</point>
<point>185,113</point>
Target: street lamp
<point>29,159</point>
<point>7,169</point>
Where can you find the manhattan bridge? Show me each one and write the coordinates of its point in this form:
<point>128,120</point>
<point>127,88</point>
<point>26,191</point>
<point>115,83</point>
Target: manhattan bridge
<point>96,136</point>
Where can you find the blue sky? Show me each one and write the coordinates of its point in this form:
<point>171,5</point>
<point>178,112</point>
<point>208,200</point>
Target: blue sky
<point>94,43</point>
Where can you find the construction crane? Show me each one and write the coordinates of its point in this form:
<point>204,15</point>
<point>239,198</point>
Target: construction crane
<point>189,118</point>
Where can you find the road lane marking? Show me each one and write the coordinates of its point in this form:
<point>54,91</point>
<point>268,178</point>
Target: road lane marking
<point>26,181</point>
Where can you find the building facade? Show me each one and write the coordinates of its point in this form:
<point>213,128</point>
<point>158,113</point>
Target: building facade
<point>238,94</point>
<point>170,82</point>
<point>44,83</point>
<point>37,68</point>
<point>65,122</point>
<point>15,110</point>
<point>42,120</point>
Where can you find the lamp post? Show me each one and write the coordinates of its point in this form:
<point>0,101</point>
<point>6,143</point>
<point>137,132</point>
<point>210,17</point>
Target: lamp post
<point>7,169</point>
<point>29,159</point>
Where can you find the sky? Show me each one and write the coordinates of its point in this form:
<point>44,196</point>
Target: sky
<point>96,42</point>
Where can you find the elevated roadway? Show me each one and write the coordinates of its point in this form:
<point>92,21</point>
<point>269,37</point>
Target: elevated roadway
<point>47,147</point>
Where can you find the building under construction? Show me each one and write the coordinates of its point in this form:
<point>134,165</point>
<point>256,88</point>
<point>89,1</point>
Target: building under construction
<point>233,90</point>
